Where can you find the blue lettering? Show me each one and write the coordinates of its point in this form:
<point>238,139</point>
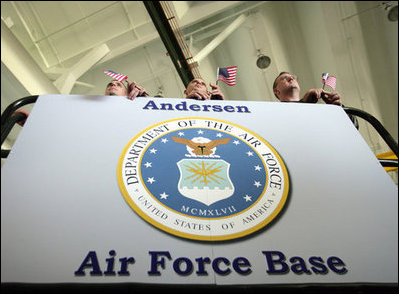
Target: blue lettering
<point>195,107</point>
<point>243,109</point>
<point>90,261</point>
<point>155,262</point>
<point>318,265</point>
<point>151,105</point>
<point>273,262</point>
<point>276,262</point>
<point>217,108</point>
<point>217,269</point>
<point>201,265</point>
<point>181,106</point>
<point>242,266</point>
<point>177,268</point>
<point>206,107</point>
<point>228,108</point>
<point>166,106</point>
<point>124,262</point>
<point>333,262</point>
<point>110,267</point>
<point>300,267</point>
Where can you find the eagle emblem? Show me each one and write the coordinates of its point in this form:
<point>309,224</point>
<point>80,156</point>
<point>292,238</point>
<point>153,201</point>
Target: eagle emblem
<point>203,178</point>
<point>201,146</point>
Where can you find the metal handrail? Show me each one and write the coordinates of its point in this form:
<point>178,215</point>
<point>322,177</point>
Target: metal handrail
<point>9,124</point>
<point>9,118</point>
<point>377,125</point>
<point>388,162</point>
<point>15,105</point>
<point>385,135</point>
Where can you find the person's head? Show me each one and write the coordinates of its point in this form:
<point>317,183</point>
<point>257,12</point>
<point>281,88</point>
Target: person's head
<point>115,88</point>
<point>286,87</point>
<point>197,84</point>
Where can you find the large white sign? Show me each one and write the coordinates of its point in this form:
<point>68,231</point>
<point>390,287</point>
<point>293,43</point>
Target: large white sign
<point>101,189</point>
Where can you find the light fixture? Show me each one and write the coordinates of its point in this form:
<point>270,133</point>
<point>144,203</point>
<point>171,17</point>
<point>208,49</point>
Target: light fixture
<point>263,61</point>
<point>393,13</point>
<point>392,8</point>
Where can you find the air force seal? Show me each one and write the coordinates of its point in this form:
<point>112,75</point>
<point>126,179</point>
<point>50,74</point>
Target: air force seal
<point>203,179</point>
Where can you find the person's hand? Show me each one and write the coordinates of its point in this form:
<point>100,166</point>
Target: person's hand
<point>331,98</point>
<point>312,96</point>
<point>134,90</point>
<point>22,122</point>
<point>199,94</point>
<point>216,94</point>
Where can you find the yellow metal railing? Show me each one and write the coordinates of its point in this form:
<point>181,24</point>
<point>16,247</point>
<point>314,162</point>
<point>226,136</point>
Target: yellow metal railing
<point>388,155</point>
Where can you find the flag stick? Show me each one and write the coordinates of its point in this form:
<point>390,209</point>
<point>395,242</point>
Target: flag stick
<point>217,75</point>
<point>127,85</point>
<point>325,76</point>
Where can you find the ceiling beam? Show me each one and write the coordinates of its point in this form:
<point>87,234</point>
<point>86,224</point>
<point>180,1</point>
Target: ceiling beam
<point>26,27</point>
<point>67,80</point>
<point>181,8</point>
<point>165,31</point>
<point>22,65</point>
<point>220,38</point>
<point>129,46</point>
<point>193,15</point>
<point>206,9</point>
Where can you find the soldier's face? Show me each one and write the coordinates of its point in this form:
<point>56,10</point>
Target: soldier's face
<point>197,85</point>
<point>285,85</point>
<point>115,88</point>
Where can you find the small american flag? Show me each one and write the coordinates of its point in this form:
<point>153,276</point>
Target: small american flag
<point>227,75</point>
<point>324,76</point>
<point>330,81</point>
<point>115,75</point>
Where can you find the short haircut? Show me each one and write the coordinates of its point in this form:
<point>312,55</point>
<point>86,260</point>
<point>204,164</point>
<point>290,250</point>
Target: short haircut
<point>275,81</point>
<point>198,78</point>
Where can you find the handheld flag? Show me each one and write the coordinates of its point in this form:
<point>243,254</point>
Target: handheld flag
<point>328,80</point>
<point>227,75</point>
<point>324,76</point>
<point>115,75</point>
